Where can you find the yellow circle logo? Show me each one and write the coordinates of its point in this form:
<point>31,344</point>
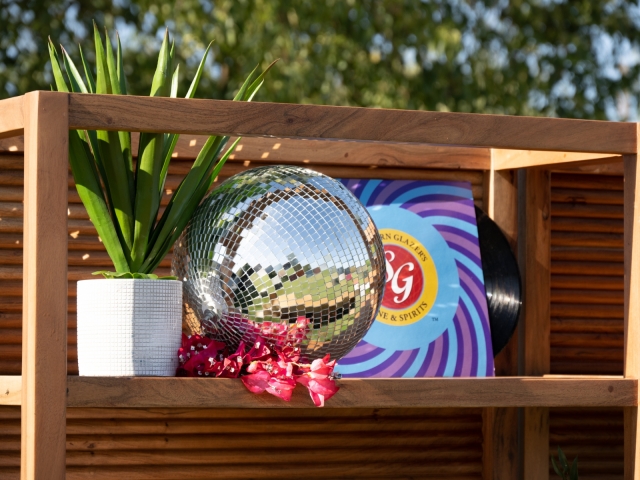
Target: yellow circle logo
<point>411,281</point>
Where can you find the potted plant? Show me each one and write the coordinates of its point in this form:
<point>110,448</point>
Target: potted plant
<point>130,322</point>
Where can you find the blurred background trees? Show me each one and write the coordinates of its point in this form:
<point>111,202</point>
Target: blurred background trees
<point>567,58</point>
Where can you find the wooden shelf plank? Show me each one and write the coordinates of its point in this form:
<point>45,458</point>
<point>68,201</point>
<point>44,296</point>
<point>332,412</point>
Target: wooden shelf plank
<point>116,112</point>
<point>510,159</point>
<point>158,392</point>
<point>322,152</point>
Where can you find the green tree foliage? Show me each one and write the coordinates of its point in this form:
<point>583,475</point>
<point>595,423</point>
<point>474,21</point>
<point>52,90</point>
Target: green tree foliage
<point>568,58</point>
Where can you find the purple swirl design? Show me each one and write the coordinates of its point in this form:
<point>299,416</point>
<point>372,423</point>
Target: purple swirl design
<point>449,207</point>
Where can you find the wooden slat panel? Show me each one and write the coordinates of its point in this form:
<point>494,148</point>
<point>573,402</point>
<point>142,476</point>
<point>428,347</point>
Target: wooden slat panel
<point>594,436</point>
<point>587,335</point>
<point>12,118</point>
<point>112,112</point>
<point>446,439</point>
<point>140,443</point>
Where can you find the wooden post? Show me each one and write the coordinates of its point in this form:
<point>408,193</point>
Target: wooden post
<point>631,308</point>
<point>535,261</point>
<point>500,425</point>
<point>44,323</point>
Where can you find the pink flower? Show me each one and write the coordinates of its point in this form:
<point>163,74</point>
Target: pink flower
<point>263,368</point>
<point>319,382</point>
<point>259,351</point>
<point>233,363</point>
<point>256,382</point>
<point>281,387</point>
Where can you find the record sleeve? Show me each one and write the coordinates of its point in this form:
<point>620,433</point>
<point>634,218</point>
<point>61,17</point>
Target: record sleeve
<point>433,321</point>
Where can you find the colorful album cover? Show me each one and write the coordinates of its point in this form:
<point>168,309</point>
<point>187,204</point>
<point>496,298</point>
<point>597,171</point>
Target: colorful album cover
<point>433,321</point>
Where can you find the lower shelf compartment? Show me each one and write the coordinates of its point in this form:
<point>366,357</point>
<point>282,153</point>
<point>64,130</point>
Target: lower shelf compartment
<point>168,392</point>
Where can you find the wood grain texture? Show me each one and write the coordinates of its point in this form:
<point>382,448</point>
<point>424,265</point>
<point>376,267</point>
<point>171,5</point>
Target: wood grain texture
<point>10,390</point>
<point>595,436</point>
<point>143,392</point>
<point>631,307</point>
<point>354,153</point>
<point>502,206</point>
<point>500,425</point>
<point>12,144</point>
<point>535,261</point>
<point>631,444</point>
<point>500,443</point>
<point>535,457</point>
<point>213,443</point>
<point>11,117</point>
<point>331,152</point>
<point>503,159</point>
<point>632,267</point>
<point>112,112</point>
<point>44,353</point>
<point>613,168</point>
<point>584,344</point>
<point>259,150</point>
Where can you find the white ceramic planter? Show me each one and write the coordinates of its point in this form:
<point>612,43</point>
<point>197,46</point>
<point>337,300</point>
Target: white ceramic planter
<point>129,327</point>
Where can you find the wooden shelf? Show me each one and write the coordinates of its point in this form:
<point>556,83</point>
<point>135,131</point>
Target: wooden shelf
<point>167,392</point>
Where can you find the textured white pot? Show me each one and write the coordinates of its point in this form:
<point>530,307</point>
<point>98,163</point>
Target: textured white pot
<point>129,327</point>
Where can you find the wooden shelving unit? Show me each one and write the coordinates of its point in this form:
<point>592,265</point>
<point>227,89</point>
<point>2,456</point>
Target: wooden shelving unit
<point>44,390</point>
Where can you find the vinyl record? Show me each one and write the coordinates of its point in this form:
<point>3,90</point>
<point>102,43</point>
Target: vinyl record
<point>501,281</point>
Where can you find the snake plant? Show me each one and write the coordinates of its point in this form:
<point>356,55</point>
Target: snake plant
<point>122,195</point>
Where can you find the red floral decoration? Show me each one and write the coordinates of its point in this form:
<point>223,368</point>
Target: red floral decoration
<point>272,364</point>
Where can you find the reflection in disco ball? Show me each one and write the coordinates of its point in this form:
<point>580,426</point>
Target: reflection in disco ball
<point>285,253</point>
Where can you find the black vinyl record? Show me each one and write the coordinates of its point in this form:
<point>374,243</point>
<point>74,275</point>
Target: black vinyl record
<point>501,281</point>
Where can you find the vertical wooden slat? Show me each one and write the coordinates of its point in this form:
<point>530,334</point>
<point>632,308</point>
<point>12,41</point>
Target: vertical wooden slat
<point>631,309</point>
<point>535,261</point>
<point>500,425</point>
<point>504,211</point>
<point>44,361</point>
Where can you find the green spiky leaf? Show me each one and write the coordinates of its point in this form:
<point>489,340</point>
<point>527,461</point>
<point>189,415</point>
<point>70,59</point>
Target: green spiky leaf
<point>573,474</point>
<point>150,163</point>
<point>563,460</point>
<point>58,77</point>
<point>124,137</point>
<point>120,70</point>
<point>102,163</point>
<point>91,83</point>
<point>115,166</point>
<point>171,140</point>
<point>77,84</point>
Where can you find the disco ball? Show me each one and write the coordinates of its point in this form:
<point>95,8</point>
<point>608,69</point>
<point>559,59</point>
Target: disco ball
<point>284,253</point>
